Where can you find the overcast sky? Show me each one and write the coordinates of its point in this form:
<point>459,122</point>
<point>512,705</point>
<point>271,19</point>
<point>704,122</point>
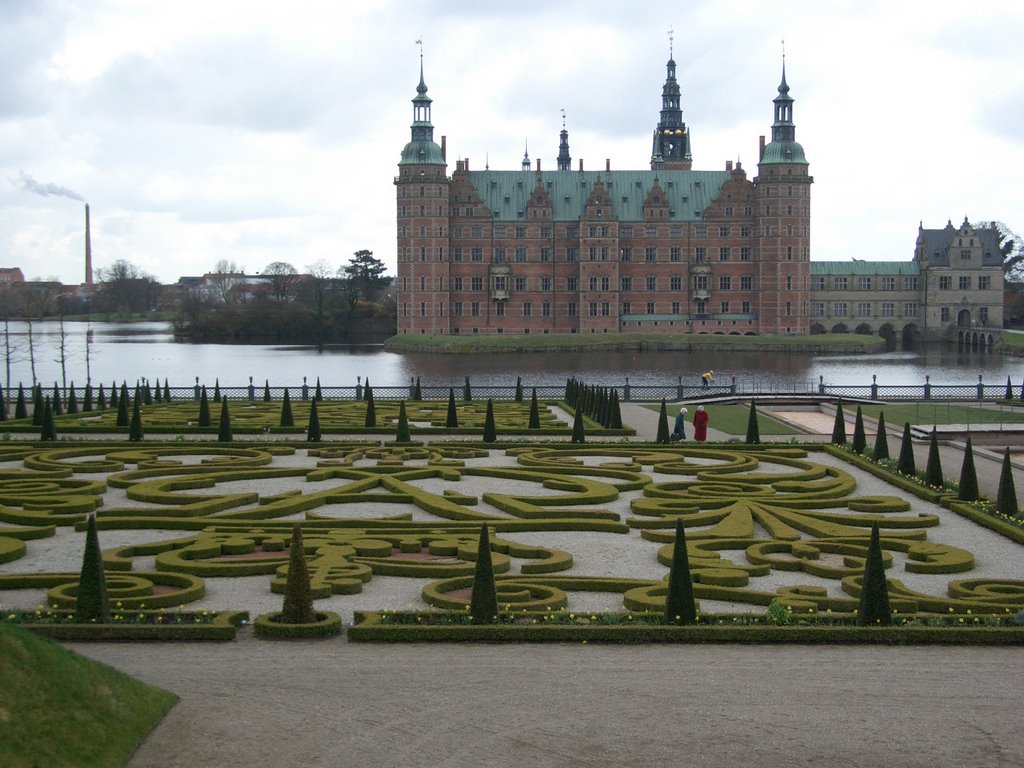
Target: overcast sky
<point>251,131</point>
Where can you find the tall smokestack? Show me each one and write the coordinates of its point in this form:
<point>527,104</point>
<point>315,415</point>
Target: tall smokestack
<point>88,249</point>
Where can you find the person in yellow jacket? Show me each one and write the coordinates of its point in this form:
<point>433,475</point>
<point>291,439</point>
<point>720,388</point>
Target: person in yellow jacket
<point>707,378</point>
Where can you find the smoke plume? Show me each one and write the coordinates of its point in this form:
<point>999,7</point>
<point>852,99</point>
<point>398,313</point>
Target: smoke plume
<point>47,189</point>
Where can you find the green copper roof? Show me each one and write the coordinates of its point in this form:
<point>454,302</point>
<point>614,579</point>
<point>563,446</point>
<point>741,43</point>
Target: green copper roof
<point>687,193</point>
<point>783,152</point>
<point>421,153</point>
<point>864,268</point>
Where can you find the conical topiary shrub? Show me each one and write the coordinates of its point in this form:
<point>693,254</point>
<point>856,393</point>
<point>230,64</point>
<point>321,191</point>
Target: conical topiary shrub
<point>1009,389</point>
<point>37,405</point>
<point>968,476</point>
<point>318,394</point>
<point>664,436</point>
<point>881,440</point>
<point>204,408</point>
<point>123,404</point>
<point>906,464</point>
<point>216,390</point>
<point>313,428</point>
<point>680,605</point>
<point>113,396</point>
<point>135,428</point>
<point>266,390</point>
<point>101,398</point>
<point>467,393</point>
<point>417,390</point>
<point>402,432</point>
<point>933,469</point>
<point>167,391</point>
<point>20,406</point>
<point>58,406</point>
<point>146,392</point>
<point>72,399</point>
<point>873,607</point>
<point>371,410</point>
<point>490,429</point>
<point>287,419</point>
<point>839,426</point>
<point>483,601</point>
<point>87,398</point>
<point>860,440</point>
<point>753,432</point>
<point>1006,498</point>
<point>224,428</point>
<point>91,600</point>
<point>48,429</point>
<point>298,593</point>
<point>578,435</point>
<point>519,389</point>
<point>534,422</point>
<point>452,418</point>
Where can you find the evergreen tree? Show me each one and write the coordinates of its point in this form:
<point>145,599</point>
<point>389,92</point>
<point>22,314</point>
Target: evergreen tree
<point>968,476</point>
<point>72,399</point>
<point>135,428</point>
<point>318,393</point>
<point>483,602</point>
<point>616,411</point>
<point>906,464</point>
<point>58,406</point>
<point>467,394</point>
<point>204,408</point>
<point>366,391</point>
<point>48,430</point>
<point>881,440</point>
<point>933,470</point>
<point>873,608</point>
<point>167,391</point>
<point>216,390</point>
<point>91,601</point>
<point>1006,498</point>
<point>3,405</point>
<point>860,440</point>
<point>664,436</point>
<point>839,426</point>
<point>20,406</point>
<point>534,422</point>
<point>680,605</point>
<point>113,396</point>
<point>313,428</point>
<point>87,399</point>
<point>402,434</point>
<point>147,393</point>
<point>490,430</point>
<point>37,405</point>
<point>753,432</point>
<point>157,393</point>
<point>266,390</point>
<point>371,410</point>
<point>1009,389</point>
<point>224,428</point>
<point>287,420</point>
<point>101,398</point>
<point>417,390</point>
<point>577,428</point>
<point>122,408</point>
<point>298,592</point>
<point>519,389</point>
<point>452,419</point>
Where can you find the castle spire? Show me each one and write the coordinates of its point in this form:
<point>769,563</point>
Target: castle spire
<point>671,146</point>
<point>564,159</point>
<point>421,148</point>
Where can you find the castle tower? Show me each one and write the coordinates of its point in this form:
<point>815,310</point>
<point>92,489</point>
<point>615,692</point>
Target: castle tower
<point>671,146</point>
<point>422,200</point>
<point>784,220</point>
<point>564,159</point>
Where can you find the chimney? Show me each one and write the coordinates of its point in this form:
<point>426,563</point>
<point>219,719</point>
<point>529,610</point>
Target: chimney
<point>728,165</point>
<point>444,148</point>
<point>538,165</point>
<point>607,165</point>
<point>88,249</point>
<point>581,163</point>
<point>760,154</point>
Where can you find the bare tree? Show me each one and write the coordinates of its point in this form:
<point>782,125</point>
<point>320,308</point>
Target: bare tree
<point>126,288</point>
<point>225,278</point>
<point>320,276</point>
<point>283,279</point>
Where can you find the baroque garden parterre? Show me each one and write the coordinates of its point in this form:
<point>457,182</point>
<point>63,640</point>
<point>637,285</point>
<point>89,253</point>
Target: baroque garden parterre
<point>576,528</point>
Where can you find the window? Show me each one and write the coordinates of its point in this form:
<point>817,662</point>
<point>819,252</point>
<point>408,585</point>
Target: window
<point>863,283</point>
<point>474,309</point>
<point>965,255</point>
<point>520,253</point>
<point>817,308</point>
<point>499,309</point>
<point>593,283</point>
<point>725,283</point>
<point>592,253</point>
<point>605,283</point>
<point>572,253</point>
<point>745,307</point>
<point>520,233</point>
<point>789,282</point>
<point>675,253</point>
<point>626,233</point>
<point>888,309</point>
<point>478,283</point>
<point>499,255</point>
<point>458,309</point>
<point>572,231</point>
<point>476,231</point>
<point>650,232</point>
<point>477,253</point>
<point>626,254</point>
<point>745,230</point>
<point>839,309</point>
<point>458,283</point>
<point>520,283</point>
<point>545,308</point>
<point>863,309</point>
<point>500,233</point>
<point>725,307</point>
<point>625,283</point>
<point>545,232</point>
<point>457,253</point>
<point>650,307</point>
<point>545,283</point>
<point>571,309</point>
<point>839,283</point>
<point>700,231</point>
<point>592,309</point>
<point>746,253</point>
<point>701,282</point>
<point>746,283</point>
<point>675,283</point>
<point>724,252</point>
<point>723,231</point>
<point>545,254</point>
<point>965,282</point>
<point>651,282</point>
<point>650,253</point>
<point>675,307</point>
<point>944,314</point>
<point>626,308</point>
<point>888,283</point>
<point>702,307</point>
<point>606,309</point>
<point>700,254</point>
<point>910,284</point>
<point>818,283</point>
<point>983,315</point>
<point>572,283</point>
<point>527,309</point>
<point>984,282</point>
<point>945,283</point>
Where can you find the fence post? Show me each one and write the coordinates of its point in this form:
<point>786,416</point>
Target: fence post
<point>679,389</point>
<point>359,388</point>
<point>625,391</point>
<point>927,387</point>
<point>252,390</point>
<point>305,389</point>
<point>821,385</point>
<point>981,388</point>
<point>732,387</point>
<point>874,386</point>
<point>197,388</point>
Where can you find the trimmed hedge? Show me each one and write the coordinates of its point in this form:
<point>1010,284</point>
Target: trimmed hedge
<point>268,625</point>
<point>220,625</point>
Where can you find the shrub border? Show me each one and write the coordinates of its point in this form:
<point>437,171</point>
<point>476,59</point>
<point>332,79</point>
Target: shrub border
<point>223,626</point>
<point>327,624</point>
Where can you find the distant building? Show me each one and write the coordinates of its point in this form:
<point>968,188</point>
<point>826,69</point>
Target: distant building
<point>11,276</point>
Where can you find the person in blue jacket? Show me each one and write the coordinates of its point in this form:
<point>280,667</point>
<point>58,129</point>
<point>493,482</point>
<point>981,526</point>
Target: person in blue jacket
<point>679,430</point>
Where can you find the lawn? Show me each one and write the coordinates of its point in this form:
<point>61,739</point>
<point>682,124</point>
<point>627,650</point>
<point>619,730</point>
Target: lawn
<point>731,419</point>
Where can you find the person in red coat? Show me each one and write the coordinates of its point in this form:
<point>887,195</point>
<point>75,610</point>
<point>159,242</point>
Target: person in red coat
<point>700,424</point>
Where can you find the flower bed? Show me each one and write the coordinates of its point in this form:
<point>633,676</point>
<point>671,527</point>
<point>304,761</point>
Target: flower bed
<point>132,626</point>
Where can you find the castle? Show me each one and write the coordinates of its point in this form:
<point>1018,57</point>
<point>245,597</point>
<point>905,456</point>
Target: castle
<point>668,249</point>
